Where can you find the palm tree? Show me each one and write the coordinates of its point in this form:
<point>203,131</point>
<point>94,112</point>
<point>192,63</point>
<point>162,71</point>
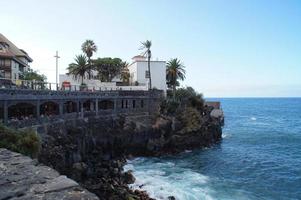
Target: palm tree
<point>89,47</point>
<point>146,47</point>
<point>79,68</point>
<point>125,74</point>
<point>174,72</point>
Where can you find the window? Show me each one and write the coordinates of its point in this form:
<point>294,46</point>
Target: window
<point>126,103</point>
<point>122,103</point>
<point>141,104</point>
<point>2,62</point>
<point>134,103</point>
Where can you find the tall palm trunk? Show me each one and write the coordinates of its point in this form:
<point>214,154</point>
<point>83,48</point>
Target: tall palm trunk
<point>83,79</point>
<point>174,92</point>
<point>150,79</point>
<point>89,63</point>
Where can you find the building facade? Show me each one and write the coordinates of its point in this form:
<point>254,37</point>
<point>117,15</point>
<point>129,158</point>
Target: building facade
<point>139,80</point>
<point>13,61</point>
<point>139,72</point>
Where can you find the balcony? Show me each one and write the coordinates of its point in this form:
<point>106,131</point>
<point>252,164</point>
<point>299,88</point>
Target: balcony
<point>5,67</point>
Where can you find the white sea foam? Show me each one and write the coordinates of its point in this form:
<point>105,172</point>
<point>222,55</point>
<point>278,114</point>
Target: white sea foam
<point>226,135</point>
<point>159,183</point>
<point>253,118</point>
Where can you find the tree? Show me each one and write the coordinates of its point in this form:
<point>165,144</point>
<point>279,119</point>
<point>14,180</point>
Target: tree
<point>125,74</point>
<point>146,47</point>
<point>108,68</point>
<point>174,72</point>
<point>79,68</point>
<point>89,47</point>
<point>189,97</point>
<point>31,75</point>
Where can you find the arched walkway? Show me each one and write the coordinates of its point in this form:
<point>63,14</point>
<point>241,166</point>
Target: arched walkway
<point>22,111</point>
<point>70,107</point>
<point>88,105</point>
<point>106,105</point>
<point>49,108</point>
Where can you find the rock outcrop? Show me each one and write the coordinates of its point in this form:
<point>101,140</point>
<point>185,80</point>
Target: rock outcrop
<point>23,178</point>
<point>92,151</point>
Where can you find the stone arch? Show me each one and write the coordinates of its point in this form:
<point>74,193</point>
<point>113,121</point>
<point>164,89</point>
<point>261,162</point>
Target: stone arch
<point>21,111</point>
<point>88,105</point>
<point>49,108</point>
<point>70,107</point>
<point>106,105</point>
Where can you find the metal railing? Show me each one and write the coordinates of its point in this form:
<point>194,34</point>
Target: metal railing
<point>26,84</point>
<point>39,85</point>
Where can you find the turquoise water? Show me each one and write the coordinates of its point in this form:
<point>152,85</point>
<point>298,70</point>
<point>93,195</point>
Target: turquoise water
<point>259,157</point>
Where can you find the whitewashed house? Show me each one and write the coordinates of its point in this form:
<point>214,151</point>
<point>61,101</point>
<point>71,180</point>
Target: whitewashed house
<point>138,72</point>
<point>138,80</point>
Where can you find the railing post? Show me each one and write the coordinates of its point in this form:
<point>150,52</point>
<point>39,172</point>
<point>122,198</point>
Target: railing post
<point>38,109</point>
<point>61,108</point>
<point>5,114</point>
<point>82,110</point>
<point>115,105</point>
<point>96,106</point>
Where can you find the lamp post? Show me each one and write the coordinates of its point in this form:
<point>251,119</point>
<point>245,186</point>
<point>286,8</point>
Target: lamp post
<point>56,71</point>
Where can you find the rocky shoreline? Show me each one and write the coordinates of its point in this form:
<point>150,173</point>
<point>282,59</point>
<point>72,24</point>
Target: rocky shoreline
<point>93,151</point>
<point>24,178</point>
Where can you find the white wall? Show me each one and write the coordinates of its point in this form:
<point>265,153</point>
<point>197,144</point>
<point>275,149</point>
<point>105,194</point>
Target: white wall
<point>14,70</point>
<point>158,73</point>
<point>96,84</point>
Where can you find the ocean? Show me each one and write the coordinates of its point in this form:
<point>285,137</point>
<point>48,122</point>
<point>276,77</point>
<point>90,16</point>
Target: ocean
<point>258,158</point>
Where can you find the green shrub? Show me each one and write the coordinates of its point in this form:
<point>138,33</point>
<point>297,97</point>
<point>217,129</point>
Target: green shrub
<point>191,119</point>
<point>184,98</point>
<point>169,106</point>
<point>25,141</point>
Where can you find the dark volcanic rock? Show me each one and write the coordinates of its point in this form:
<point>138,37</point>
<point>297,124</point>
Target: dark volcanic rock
<point>22,178</point>
<point>92,151</point>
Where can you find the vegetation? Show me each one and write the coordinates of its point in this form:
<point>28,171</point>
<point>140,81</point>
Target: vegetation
<point>108,68</point>
<point>89,47</point>
<point>125,73</point>
<point>191,119</point>
<point>174,72</point>
<point>31,75</point>
<point>79,68</point>
<point>23,141</point>
<point>189,97</point>
<point>181,99</point>
<point>146,47</point>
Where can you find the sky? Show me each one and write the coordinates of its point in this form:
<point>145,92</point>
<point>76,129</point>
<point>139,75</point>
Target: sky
<point>230,48</point>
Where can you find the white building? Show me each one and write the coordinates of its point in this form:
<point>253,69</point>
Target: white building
<point>94,84</point>
<point>138,81</point>
<point>138,71</point>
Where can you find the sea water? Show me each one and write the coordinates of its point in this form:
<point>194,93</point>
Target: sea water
<point>258,158</point>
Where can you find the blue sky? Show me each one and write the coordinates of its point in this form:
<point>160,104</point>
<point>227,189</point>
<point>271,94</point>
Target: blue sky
<point>233,48</point>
